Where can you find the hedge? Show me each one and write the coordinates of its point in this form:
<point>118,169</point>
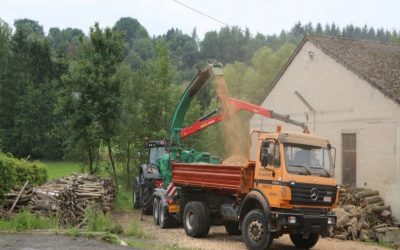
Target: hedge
<point>14,172</point>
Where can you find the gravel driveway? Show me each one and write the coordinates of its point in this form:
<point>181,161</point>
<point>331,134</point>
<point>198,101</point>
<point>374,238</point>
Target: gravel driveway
<point>218,239</point>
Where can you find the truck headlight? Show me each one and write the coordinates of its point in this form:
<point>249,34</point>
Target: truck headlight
<point>291,219</point>
<point>331,220</point>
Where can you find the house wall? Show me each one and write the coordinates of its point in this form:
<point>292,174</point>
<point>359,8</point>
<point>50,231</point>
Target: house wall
<point>343,103</point>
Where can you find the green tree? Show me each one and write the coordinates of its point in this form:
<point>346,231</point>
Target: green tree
<point>148,100</point>
<point>64,41</point>
<point>5,53</point>
<point>138,45</point>
<point>28,94</point>
<point>131,28</point>
<point>97,91</point>
<point>160,95</point>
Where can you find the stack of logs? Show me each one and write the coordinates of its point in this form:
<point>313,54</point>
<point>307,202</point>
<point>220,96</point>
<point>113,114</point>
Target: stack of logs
<point>23,200</point>
<point>67,197</point>
<point>85,191</point>
<point>361,214</point>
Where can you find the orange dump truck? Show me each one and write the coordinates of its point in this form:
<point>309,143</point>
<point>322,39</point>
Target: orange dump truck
<point>286,187</point>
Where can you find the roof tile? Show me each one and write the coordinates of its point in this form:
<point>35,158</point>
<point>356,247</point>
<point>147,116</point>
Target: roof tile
<point>377,63</point>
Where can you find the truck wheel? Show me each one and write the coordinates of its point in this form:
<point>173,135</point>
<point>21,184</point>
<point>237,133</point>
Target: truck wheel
<point>232,228</point>
<point>299,242</point>
<point>156,211</point>
<point>146,196</point>
<point>196,219</point>
<point>136,193</point>
<point>254,230</point>
<point>164,218</point>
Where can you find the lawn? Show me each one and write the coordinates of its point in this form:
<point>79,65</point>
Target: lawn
<point>58,169</point>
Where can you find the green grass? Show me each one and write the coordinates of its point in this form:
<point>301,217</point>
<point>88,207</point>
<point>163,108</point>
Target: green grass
<point>124,199</point>
<point>111,238</point>
<point>97,221</point>
<point>74,232</point>
<point>58,169</point>
<point>136,230</point>
<point>25,221</point>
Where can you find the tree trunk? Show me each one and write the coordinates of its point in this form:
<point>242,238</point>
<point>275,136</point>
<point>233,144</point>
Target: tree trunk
<point>128,159</point>
<point>90,159</point>
<point>97,159</point>
<point>112,164</point>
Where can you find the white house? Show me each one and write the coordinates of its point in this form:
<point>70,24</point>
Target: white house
<point>348,91</point>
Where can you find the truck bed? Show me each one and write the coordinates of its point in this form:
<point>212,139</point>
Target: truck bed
<point>232,179</point>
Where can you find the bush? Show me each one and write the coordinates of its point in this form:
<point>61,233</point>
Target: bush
<point>35,172</point>
<point>7,176</point>
<point>14,172</point>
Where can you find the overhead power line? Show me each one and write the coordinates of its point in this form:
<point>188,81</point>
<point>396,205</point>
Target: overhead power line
<point>206,15</point>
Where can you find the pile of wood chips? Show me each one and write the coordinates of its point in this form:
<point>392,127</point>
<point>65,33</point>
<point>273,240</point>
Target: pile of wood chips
<point>362,215</point>
<point>234,160</point>
<point>67,197</point>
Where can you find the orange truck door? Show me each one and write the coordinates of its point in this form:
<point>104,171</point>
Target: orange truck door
<point>268,178</point>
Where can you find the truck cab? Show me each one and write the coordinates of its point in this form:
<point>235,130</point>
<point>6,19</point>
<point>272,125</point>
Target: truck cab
<point>287,159</point>
<point>294,186</point>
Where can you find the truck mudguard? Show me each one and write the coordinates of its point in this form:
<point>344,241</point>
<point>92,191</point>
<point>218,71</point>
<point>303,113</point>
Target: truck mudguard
<point>254,199</point>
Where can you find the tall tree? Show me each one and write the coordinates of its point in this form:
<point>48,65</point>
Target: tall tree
<point>107,48</point>
<point>29,93</point>
<point>97,90</point>
<point>5,53</point>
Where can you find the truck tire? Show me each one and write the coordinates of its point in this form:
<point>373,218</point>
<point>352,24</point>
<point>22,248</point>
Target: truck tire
<point>232,228</point>
<point>165,221</point>
<point>196,219</point>
<point>146,196</point>
<point>299,242</point>
<point>136,193</point>
<point>156,211</point>
<point>255,231</point>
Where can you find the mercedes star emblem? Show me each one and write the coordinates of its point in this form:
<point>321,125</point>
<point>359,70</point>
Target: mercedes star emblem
<point>314,194</point>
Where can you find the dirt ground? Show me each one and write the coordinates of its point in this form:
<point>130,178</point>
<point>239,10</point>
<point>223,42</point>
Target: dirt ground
<point>218,239</point>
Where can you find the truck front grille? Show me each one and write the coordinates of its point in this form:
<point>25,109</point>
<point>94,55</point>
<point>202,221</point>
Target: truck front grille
<point>309,194</point>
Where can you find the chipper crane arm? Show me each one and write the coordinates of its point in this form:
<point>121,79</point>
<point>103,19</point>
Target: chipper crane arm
<point>178,132</point>
<point>186,98</point>
<point>235,106</point>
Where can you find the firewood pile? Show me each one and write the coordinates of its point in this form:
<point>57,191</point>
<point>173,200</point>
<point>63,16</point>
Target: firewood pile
<point>362,215</point>
<point>67,197</point>
<point>23,200</point>
<point>85,191</point>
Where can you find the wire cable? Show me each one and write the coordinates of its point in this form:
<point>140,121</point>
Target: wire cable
<point>206,15</point>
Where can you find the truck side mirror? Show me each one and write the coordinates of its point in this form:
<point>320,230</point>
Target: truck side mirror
<point>329,146</point>
<point>264,153</point>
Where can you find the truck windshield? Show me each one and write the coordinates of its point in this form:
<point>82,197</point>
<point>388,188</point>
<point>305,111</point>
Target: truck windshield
<point>156,153</point>
<point>308,160</point>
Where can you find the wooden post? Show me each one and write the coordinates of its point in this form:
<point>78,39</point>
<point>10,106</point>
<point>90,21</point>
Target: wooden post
<point>19,195</point>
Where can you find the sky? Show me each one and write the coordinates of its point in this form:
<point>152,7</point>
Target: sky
<point>158,16</point>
